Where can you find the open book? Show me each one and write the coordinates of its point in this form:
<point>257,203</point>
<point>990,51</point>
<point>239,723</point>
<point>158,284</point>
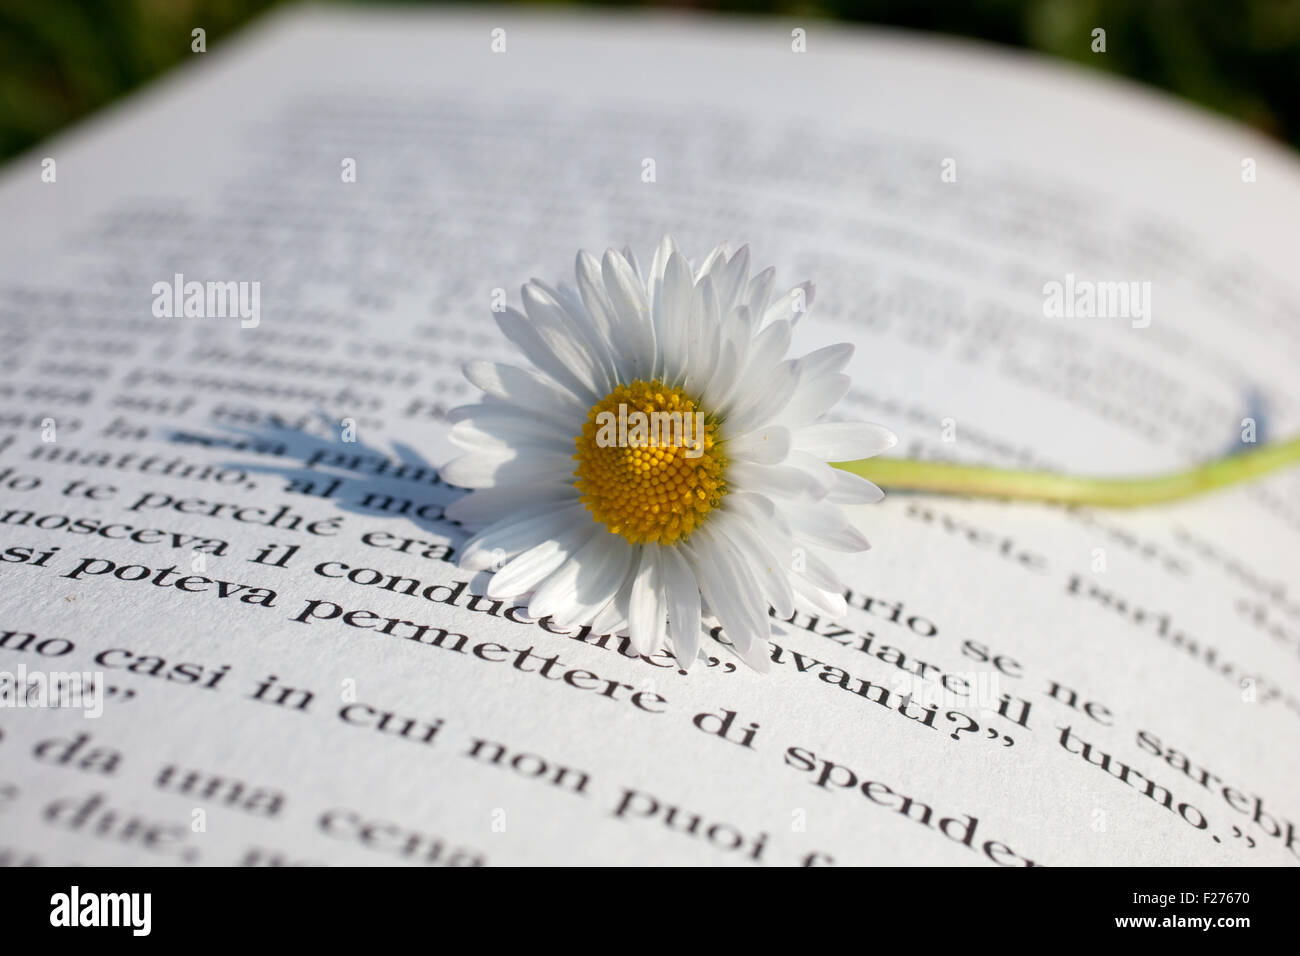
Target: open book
<point>217,510</point>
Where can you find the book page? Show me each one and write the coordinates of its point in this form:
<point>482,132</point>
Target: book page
<point>234,524</point>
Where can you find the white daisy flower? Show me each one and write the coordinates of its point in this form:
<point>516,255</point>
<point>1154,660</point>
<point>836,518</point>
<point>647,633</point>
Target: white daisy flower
<point>662,464</point>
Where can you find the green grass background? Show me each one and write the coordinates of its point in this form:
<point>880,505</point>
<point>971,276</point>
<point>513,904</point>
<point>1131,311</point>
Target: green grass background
<point>61,59</point>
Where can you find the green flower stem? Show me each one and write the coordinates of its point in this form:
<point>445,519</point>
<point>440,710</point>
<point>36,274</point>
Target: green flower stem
<point>895,474</point>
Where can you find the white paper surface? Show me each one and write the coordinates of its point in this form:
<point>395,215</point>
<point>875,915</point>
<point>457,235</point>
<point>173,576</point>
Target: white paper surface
<point>1173,631</point>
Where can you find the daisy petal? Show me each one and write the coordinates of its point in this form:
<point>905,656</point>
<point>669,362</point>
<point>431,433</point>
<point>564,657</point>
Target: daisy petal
<point>567,338</point>
<point>844,441</point>
<point>482,470</point>
<point>481,507</point>
<point>780,480</point>
<point>793,306</point>
<point>768,569</point>
<point>595,590</point>
<point>765,446</point>
<point>849,489</point>
<point>612,618</point>
<point>813,398</point>
<point>672,317</point>
<point>505,436</point>
<point>763,406</point>
<point>730,590</point>
<point>823,361</point>
<point>517,532</point>
<point>733,279</point>
<point>704,337</point>
<point>584,583</point>
<point>591,288</point>
<point>716,259</point>
<point>819,572</point>
<point>628,297</point>
<point>824,525</point>
<point>683,598</point>
<point>646,612</point>
<point>759,292</point>
<point>537,349</point>
<point>522,387</point>
<point>526,570</point>
<point>832,606</point>
<point>841,486</point>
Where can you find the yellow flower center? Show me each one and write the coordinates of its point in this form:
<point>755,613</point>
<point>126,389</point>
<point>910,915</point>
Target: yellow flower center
<point>648,466</point>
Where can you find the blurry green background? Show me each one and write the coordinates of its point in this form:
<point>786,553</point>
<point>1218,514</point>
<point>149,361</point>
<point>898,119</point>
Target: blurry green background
<point>61,59</point>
